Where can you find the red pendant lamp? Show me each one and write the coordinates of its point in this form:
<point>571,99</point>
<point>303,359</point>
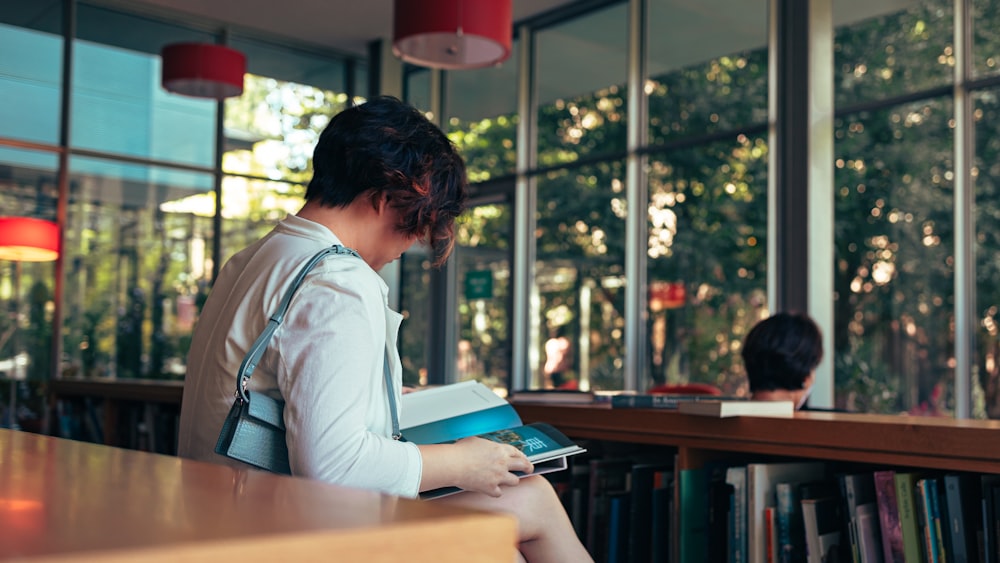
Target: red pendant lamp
<point>452,34</point>
<point>25,239</point>
<point>203,70</point>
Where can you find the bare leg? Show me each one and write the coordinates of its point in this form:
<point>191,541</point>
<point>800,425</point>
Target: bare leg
<point>545,533</point>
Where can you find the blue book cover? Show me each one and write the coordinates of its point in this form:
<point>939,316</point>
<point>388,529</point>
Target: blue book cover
<point>463,425</point>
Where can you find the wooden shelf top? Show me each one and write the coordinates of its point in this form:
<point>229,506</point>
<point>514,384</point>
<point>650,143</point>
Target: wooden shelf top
<point>152,390</point>
<point>61,500</point>
<point>942,443</point>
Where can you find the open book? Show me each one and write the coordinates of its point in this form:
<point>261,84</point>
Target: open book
<point>469,408</point>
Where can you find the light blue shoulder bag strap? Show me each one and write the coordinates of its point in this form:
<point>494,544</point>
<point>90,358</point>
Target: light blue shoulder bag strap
<point>257,349</point>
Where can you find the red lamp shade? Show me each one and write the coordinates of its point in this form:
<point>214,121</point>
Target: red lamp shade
<point>24,239</point>
<point>203,70</point>
<point>452,34</point>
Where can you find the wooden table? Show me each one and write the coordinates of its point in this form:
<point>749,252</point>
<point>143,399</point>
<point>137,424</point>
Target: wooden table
<point>62,500</point>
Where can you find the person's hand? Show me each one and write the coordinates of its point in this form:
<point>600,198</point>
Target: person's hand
<point>407,389</point>
<point>489,465</point>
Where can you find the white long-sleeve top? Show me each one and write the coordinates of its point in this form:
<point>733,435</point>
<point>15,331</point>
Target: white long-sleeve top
<point>325,361</point>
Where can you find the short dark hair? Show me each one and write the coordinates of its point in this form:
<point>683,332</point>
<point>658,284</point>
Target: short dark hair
<point>781,351</point>
<point>389,148</point>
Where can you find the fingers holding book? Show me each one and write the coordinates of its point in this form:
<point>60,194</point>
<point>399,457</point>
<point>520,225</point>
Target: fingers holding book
<point>491,466</point>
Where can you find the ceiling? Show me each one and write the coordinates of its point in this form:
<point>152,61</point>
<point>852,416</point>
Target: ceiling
<point>343,25</point>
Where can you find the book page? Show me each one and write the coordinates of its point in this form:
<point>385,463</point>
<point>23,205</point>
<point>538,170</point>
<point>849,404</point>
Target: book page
<point>429,405</point>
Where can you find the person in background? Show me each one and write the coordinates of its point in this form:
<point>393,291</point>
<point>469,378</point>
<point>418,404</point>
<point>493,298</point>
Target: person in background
<point>384,178</point>
<point>558,359</point>
<point>780,354</point>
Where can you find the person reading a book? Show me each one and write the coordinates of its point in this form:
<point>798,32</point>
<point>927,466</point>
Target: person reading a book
<point>780,354</point>
<point>384,177</point>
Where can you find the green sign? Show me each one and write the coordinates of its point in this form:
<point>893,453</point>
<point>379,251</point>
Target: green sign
<point>479,284</point>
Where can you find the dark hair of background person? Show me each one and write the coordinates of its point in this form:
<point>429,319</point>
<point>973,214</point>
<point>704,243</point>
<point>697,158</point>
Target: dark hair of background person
<point>781,351</point>
<point>390,148</point>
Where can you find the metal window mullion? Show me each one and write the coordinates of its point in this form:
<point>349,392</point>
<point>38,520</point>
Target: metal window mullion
<point>637,195</point>
<point>964,214</point>
<point>525,204</point>
<point>62,200</point>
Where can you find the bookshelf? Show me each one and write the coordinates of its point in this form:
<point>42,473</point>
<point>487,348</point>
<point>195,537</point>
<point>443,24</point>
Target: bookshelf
<point>138,414</point>
<point>63,500</point>
<point>705,449</point>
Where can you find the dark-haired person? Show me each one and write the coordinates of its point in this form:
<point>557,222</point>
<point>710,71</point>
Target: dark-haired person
<point>384,177</point>
<point>780,354</point>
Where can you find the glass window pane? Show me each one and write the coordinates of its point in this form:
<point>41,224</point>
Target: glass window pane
<point>131,32</point>
<point>31,83</point>
<point>482,258</point>
<point>272,129</point>
<point>579,274</point>
<point>986,387</point>
<point>417,88</point>
<point>414,305</point>
<point>251,208</point>
<point>27,292</point>
<point>894,276</point>
<point>361,78</point>
<point>137,269</point>
<point>985,39</point>
<point>707,67</point>
<point>120,108</point>
<point>580,76</point>
<point>482,117</point>
<point>886,48</point>
<point>29,183</point>
<point>706,261</point>
<point>289,96</point>
<point>288,64</point>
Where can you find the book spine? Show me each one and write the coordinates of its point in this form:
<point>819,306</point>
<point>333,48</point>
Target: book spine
<point>814,554</point>
<point>888,514</point>
<point>847,495</point>
<point>940,511</point>
<point>787,516</point>
<point>956,515</point>
<point>736,476</point>
<point>905,500</point>
<point>987,483</point>
<point>770,535</point>
<point>694,515</point>
<point>925,518</point>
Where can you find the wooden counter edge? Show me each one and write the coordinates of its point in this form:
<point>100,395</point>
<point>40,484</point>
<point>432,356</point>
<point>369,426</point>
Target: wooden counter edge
<point>484,537</point>
<point>938,443</point>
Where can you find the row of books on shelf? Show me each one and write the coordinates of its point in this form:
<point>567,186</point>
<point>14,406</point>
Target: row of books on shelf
<point>710,405</point>
<point>818,512</point>
<point>623,508</point>
<point>621,505</point>
<point>141,426</point>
